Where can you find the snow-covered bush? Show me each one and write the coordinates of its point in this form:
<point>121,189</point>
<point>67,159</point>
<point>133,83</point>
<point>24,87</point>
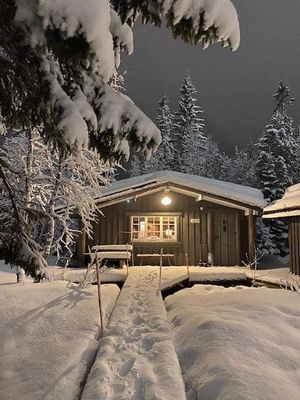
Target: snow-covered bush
<point>40,191</point>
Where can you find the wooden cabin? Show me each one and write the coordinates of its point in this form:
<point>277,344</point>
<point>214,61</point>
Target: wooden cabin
<point>288,209</point>
<point>210,221</point>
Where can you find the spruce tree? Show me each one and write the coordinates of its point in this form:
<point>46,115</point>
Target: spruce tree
<point>163,158</point>
<point>137,165</point>
<point>240,168</point>
<point>188,130</point>
<point>213,159</point>
<point>276,162</point>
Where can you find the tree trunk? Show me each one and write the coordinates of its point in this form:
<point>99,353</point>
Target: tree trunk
<point>20,275</point>
<point>51,222</point>
<point>50,237</point>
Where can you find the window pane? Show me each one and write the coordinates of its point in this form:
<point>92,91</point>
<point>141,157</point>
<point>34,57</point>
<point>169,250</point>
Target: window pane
<point>142,229</point>
<point>169,228</point>
<point>154,228</point>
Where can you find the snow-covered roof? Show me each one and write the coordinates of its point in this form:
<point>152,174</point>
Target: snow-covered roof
<point>230,191</point>
<point>287,206</point>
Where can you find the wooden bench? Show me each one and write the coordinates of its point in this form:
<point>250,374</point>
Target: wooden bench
<point>142,256</point>
<point>113,247</point>
<point>118,252</point>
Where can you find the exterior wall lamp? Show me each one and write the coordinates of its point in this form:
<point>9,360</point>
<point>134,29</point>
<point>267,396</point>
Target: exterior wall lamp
<point>166,201</point>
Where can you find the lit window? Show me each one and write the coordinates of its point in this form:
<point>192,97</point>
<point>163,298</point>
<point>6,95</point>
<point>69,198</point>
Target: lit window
<point>154,228</point>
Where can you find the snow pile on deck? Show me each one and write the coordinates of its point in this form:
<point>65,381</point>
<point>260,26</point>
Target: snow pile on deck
<point>237,343</point>
<point>137,359</point>
<point>215,274</point>
<point>288,206</point>
<point>244,194</point>
<point>48,337</point>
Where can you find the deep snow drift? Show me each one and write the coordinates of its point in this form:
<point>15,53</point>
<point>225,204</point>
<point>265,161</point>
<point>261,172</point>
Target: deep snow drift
<point>237,343</point>
<point>48,337</point>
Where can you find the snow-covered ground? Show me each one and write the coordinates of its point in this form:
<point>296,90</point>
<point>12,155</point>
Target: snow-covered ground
<point>237,343</point>
<point>48,335</point>
<point>78,274</point>
<point>137,359</point>
<point>279,275</point>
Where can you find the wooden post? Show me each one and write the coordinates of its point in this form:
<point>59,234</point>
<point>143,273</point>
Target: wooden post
<point>187,266</point>
<point>238,241</point>
<point>127,261</point>
<point>160,269</point>
<point>99,296</point>
<point>210,238</point>
<point>251,238</point>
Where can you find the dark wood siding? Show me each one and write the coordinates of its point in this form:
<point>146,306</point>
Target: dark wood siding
<point>114,226</point>
<point>294,245</point>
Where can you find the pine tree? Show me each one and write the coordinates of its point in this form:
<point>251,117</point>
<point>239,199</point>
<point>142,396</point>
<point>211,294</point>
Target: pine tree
<point>284,124</point>
<point>213,160</point>
<point>276,162</point>
<point>240,168</point>
<point>264,239</point>
<point>188,129</point>
<point>163,158</point>
<point>137,165</point>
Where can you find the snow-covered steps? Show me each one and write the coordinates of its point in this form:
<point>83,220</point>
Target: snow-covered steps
<point>137,358</point>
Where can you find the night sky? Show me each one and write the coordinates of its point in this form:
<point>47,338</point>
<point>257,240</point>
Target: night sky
<point>235,89</point>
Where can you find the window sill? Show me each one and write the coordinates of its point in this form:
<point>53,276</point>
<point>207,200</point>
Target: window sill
<point>137,243</point>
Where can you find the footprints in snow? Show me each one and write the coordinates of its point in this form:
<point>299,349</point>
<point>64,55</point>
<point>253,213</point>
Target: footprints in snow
<point>126,367</point>
<point>138,320</point>
<point>147,344</point>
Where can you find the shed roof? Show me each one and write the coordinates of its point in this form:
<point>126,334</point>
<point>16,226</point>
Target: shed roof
<point>236,193</point>
<point>287,206</point>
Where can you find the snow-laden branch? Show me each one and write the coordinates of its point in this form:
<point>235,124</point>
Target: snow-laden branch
<point>196,21</point>
<point>79,44</point>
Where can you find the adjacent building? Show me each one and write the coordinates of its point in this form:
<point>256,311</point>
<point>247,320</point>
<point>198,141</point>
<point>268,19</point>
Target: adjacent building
<point>288,209</point>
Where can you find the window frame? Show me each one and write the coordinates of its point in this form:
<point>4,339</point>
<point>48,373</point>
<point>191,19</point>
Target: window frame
<point>161,231</point>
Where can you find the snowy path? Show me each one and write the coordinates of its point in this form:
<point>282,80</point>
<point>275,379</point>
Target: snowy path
<point>137,358</point>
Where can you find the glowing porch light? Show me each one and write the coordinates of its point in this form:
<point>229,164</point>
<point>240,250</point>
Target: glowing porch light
<point>166,201</point>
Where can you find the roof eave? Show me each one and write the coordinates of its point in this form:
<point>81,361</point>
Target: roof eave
<point>155,184</point>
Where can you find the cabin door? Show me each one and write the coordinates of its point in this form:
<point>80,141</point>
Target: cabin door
<point>225,239</point>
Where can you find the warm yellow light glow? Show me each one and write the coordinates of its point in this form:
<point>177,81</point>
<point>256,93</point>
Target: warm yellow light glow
<point>166,201</point>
